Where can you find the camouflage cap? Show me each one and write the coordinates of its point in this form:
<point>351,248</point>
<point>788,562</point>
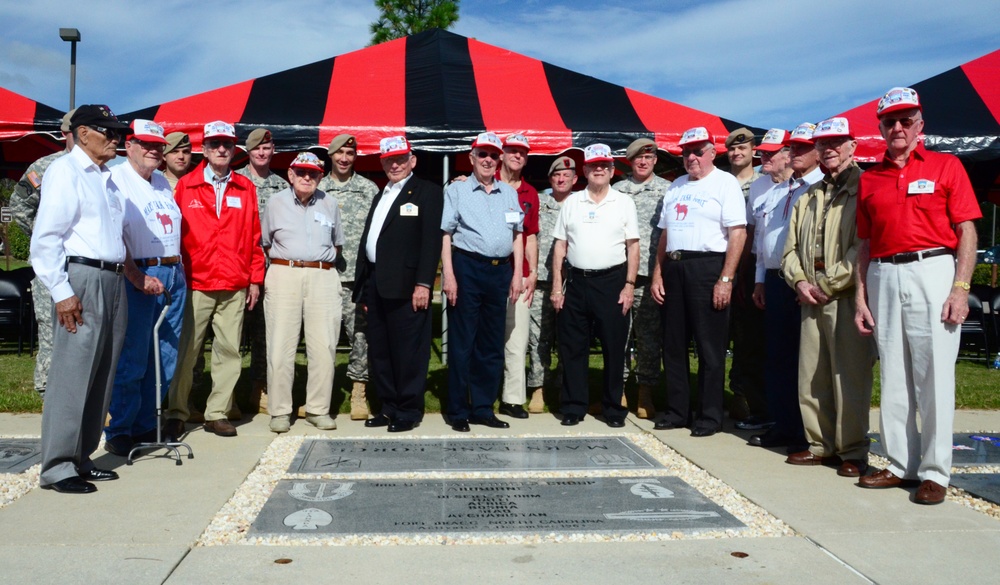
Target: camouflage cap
<point>340,141</point>
<point>176,140</point>
<point>640,146</point>
<point>739,136</point>
<point>561,164</point>
<point>65,127</point>
<point>257,137</point>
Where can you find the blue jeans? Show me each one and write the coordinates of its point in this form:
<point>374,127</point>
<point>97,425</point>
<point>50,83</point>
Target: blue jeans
<point>133,399</point>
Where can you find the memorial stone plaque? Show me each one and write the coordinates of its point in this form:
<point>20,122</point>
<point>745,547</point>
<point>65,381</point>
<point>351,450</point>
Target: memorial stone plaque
<point>981,485</point>
<point>17,455</point>
<point>506,454</point>
<point>968,449</point>
<point>617,505</point>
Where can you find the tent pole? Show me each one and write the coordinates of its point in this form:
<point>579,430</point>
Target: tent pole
<point>444,299</point>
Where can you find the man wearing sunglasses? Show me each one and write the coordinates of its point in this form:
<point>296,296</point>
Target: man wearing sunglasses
<point>78,253</point>
<point>224,266</point>
<point>704,218</point>
<point>482,223</point>
<point>918,248</point>
<point>260,149</point>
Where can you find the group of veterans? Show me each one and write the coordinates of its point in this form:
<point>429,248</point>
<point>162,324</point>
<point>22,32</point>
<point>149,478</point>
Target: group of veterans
<point>809,266</point>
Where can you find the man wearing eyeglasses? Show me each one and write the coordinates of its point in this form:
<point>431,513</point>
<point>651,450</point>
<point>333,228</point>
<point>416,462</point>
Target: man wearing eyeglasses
<point>482,222</point>
<point>224,266</point>
<point>770,210</point>
<point>153,240</point>
<point>397,259</point>
<point>704,223</point>
<point>598,233</point>
<point>916,210</point>
<point>24,202</point>
<point>835,363</point>
<point>260,149</point>
<point>78,253</point>
<point>302,235</point>
<point>354,195</point>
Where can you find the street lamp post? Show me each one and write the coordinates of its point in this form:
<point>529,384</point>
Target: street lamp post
<point>73,36</point>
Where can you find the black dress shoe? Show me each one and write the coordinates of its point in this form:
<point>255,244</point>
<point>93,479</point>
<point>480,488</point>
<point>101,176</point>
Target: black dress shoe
<point>571,420</point>
<point>461,426</point>
<point>147,437</point>
<point>615,423</point>
<point>662,425</point>
<point>71,485</point>
<point>379,420</point>
<point>703,432</point>
<point>491,421</point>
<point>769,439</point>
<point>401,426</point>
<point>512,410</point>
<point>118,445</point>
<point>96,474</point>
<point>173,430</point>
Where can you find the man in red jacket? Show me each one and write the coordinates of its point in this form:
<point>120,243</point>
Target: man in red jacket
<point>224,265</point>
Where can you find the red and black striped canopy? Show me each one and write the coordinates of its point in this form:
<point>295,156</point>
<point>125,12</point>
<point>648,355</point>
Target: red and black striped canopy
<point>28,131</point>
<point>440,89</point>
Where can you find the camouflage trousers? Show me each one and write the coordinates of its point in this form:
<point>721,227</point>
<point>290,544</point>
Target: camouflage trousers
<point>42,301</point>
<point>541,337</point>
<point>355,324</point>
<point>647,328</point>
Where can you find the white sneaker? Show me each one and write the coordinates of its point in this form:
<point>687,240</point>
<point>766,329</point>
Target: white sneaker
<point>280,424</point>
<point>322,422</point>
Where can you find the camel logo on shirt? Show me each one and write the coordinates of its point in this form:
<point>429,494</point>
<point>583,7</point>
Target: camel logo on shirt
<point>166,222</point>
<point>682,211</point>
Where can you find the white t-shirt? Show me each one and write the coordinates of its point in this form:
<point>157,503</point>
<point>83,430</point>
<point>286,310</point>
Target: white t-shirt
<point>596,232</point>
<point>697,215</point>
<point>152,218</point>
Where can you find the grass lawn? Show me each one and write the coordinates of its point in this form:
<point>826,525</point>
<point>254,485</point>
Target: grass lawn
<point>976,389</point>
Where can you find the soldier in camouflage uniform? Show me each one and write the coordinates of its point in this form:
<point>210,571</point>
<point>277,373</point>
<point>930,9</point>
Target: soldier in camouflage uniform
<point>354,194</point>
<point>647,190</point>
<point>746,321</point>
<point>260,147</point>
<point>176,157</point>
<point>24,206</point>
<point>542,319</point>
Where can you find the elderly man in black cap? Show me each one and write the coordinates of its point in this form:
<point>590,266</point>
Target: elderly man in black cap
<point>78,253</point>
<point>354,195</point>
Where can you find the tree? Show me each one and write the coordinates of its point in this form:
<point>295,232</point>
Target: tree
<point>398,18</point>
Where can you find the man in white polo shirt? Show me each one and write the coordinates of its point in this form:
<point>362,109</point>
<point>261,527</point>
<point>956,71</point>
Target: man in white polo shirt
<point>598,233</point>
<point>704,219</point>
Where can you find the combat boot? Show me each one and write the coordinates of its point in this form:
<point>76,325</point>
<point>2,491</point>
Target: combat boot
<point>359,405</point>
<point>537,404</point>
<point>644,407</point>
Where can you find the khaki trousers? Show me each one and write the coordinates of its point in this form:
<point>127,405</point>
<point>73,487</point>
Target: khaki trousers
<point>514,349</point>
<point>224,309</point>
<point>835,380</point>
<point>293,297</point>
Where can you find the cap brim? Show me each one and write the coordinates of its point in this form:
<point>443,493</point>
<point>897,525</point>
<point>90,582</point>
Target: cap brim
<point>308,167</point>
<point>150,138</point>
<point>771,147</point>
<point>599,159</point>
<point>392,153</point>
<point>898,107</point>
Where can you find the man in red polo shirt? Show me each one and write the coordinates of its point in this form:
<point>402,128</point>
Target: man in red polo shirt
<point>918,247</point>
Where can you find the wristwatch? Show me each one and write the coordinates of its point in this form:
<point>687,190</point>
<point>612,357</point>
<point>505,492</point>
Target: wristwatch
<point>726,279</point>
<point>962,285</point>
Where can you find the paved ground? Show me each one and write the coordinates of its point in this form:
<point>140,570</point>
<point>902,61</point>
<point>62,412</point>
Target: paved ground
<point>142,529</point>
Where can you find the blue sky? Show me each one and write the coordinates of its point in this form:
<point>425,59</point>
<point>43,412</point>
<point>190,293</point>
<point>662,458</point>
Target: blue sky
<point>773,63</point>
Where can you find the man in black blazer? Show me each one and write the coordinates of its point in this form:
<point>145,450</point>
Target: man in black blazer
<point>397,263</point>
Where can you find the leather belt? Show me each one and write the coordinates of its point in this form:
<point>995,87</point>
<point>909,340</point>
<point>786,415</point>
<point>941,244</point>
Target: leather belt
<point>116,267</point>
<point>303,263</point>
<point>162,261</point>
<point>481,258</point>
<point>907,257</point>
<point>598,272</point>
<point>691,254</point>
<point>819,265</point>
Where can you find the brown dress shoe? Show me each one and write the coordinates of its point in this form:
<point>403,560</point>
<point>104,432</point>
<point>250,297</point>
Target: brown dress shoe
<point>884,479</point>
<point>930,493</point>
<point>221,427</point>
<point>808,458</point>
<point>852,468</point>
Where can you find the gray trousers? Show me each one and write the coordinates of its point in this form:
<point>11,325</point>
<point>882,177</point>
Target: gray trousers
<point>82,374</point>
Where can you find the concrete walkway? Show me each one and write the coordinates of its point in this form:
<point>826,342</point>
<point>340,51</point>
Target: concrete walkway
<point>142,529</point>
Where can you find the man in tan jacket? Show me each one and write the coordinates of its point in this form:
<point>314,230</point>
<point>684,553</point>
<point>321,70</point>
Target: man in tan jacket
<point>835,361</point>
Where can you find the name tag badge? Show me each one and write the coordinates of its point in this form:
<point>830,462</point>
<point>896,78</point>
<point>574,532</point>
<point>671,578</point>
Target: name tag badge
<point>921,186</point>
<point>512,216</point>
<point>409,210</point>
<point>322,219</point>
<point>233,202</point>
<point>590,217</point>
